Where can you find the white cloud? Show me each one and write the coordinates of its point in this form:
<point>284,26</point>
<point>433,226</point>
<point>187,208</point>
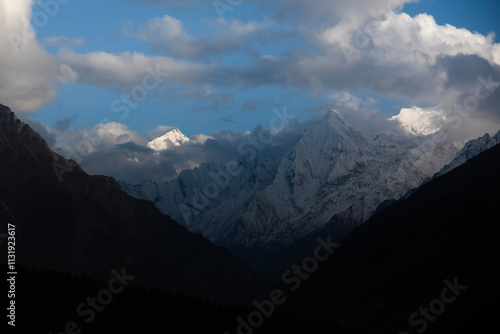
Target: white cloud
<point>361,113</point>
<point>305,11</point>
<point>125,70</point>
<point>201,139</point>
<point>420,122</point>
<point>63,41</point>
<point>167,34</point>
<point>413,40</point>
<point>28,71</point>
<point>392,55</point>
<point>349,101</point>
<point>395,56</point>
<point>99,137</point>
<point>24,65</point>
<point>114,149</point>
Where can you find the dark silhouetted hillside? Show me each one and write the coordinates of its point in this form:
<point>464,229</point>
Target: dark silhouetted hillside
<point>398,260</point>
<point>87,224</point>
<point>48,300</point>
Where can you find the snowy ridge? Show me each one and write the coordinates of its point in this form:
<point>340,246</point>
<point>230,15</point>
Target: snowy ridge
<point>420,122</point>
<point>173,137</point>
<point>332,171</point>
<point>470,150</point>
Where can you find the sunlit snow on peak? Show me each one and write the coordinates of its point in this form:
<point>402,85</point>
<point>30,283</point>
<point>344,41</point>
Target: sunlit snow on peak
<point>420,122</point>
<point>172,138</point>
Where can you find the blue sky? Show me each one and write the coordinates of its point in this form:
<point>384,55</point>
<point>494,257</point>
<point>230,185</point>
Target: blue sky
<point>480,16</point>
<point>89,63</point>
<point>107,26</point>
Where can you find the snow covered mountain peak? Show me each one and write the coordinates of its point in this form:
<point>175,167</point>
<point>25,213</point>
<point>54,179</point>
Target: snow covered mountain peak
<point>332,113</point>
<point>420,122</point>
<point>331,124</point>
<point>335,126</point>
<point>333,176</point>
<point>335,119</point>
<point>173,137</point>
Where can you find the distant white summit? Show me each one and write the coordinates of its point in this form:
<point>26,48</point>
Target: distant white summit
<point>170,139</point>
<point>332,177</point>
<point>420,122</point>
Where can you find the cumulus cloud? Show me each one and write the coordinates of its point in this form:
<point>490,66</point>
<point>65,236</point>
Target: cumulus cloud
<point>404,53</point>
<point>303,10</point>
<point>339,46</point>
<point>373,49</point>
<point>361,113</point>
<point>28,72</point>
<point>345,100</point>
<point>77,144</point>
<point>401,58</point>
<point>167,34</point>
<point>393,55</point>
<point>126,70</point>
<point>114,149</point>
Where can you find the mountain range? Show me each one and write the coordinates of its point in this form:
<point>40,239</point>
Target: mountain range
<point>69,221</point>
<point>424,262</point>
<point>334,178</point>
<point>428,263</point>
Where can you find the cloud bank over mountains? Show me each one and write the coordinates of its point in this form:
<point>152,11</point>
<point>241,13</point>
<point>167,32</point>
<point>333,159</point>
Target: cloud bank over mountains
<point>372,49</point>
<point>341,51</point>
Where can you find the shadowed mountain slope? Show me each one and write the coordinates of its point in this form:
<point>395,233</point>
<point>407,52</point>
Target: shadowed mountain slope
<point>399,259</point>
<point>70,221</point>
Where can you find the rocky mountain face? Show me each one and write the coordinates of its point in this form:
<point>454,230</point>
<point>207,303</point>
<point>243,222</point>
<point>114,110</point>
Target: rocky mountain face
<point>206,194</point>
<point>470,150</point>
<point>333,179</point>
<point>67,220</point>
